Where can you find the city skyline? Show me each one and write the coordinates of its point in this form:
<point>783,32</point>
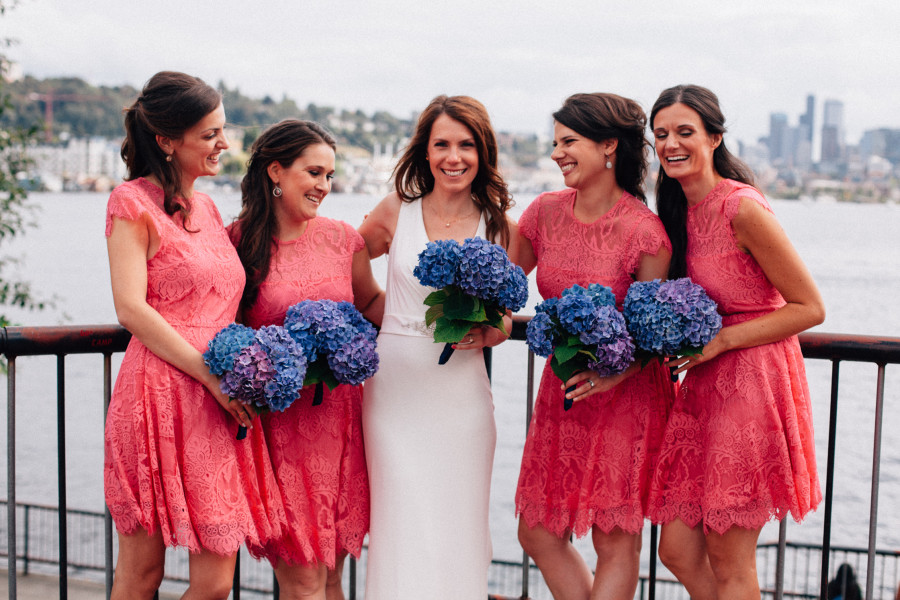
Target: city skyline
<point>521,59</point>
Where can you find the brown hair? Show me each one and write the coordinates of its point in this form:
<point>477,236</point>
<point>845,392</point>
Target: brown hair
<point>255,226</point>
<point>601,117</point>
<point>169,105</point>
<point>671,203</point>
<point>413,178</point>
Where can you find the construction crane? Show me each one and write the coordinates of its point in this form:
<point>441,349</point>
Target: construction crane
<point>49,98</point>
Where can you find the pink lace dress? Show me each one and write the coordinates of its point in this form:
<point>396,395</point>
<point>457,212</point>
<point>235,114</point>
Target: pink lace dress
<point>738,448</point>
<point>591,466</point>
<point>317,451</point>
<point>172,462</point>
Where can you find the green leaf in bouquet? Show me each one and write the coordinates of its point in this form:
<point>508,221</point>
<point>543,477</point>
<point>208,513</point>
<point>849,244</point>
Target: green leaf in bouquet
<point>494,318</point>
<point>319,372</point>
<point>566,350</point>
<point>464,307</point>
<point>432,314</point>
<point>437,297</point>
<point>565,370</point>
<point>450,330</point>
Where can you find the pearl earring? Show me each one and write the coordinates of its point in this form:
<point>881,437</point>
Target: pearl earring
<point>608,162</point>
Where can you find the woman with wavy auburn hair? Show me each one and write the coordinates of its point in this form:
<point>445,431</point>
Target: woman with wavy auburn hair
<point>429,429</point>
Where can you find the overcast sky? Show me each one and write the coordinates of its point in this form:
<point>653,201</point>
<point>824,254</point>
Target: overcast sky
<point>521,59</point>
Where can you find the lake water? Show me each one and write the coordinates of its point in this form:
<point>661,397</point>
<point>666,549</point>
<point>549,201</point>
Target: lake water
<point>851,250</point>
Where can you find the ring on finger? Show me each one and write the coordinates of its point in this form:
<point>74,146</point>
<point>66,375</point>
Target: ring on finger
<point>591,381</point>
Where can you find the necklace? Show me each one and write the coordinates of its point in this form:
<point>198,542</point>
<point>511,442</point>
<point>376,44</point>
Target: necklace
<point>448,222</point>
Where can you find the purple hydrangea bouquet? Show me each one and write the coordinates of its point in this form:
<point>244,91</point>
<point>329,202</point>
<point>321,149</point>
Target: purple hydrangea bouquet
<point>476,284</point>
<point>264,368</point>
<point>670,318</point>
<point>338,341</point>
<point>582,329</point>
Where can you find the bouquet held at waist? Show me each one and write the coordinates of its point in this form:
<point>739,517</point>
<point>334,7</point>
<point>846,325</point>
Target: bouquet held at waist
<point>322,341</point>
<point>581,330</point>
<point>477,284</point>
<point>670,318</point>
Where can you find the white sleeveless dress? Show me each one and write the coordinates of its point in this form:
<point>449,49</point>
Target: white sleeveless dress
<point>429,436</point>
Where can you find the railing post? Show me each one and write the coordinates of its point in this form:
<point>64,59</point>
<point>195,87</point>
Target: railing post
<point>779,560</point>
<point>876,473</point>
<point>654,545</point>
<point>11,471</point>
<point>26,535</point>
<point>61,475</point>
<point>352,578</point>
<point>236,579</point>
<point>529,408</point>
<point>107,518</point>
<point>829,478</point>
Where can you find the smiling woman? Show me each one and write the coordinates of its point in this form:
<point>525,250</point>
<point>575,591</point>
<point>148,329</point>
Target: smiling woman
<point>429,428</point>
<point>176,281</point>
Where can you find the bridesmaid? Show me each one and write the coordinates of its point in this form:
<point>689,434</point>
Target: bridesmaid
<point>174,473</point>
<point>739,443</point>
<point>587,470</point>
<point>291,253</point>
<point>429,428</point>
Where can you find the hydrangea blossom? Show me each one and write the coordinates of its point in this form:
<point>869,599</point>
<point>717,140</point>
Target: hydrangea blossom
<point>438,263</point>
<point>267,373</point>
<point>225,345</point>
<point>338,340</point>
<point>671,317</point>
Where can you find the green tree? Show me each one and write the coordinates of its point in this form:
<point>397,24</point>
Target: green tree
<point>14,207</point>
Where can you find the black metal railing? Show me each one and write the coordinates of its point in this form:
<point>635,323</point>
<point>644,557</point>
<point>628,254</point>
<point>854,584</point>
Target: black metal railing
<point>105,340</point>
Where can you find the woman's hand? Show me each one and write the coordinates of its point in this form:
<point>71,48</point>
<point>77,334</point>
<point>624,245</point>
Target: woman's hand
<point>715,347</point>
<point>585,384</point>
<point>484,336</point>
<point>240,412</point>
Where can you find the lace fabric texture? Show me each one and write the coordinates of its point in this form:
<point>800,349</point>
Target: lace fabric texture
<point>591,466</point>
<point>172,461</point>
<point>739,446</point>
<point>317,451</point>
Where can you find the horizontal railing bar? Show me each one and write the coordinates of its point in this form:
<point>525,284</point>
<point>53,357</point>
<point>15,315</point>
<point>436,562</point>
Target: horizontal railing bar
<point>87,339</point>
<point>80,339</point>
<point>829,346</point>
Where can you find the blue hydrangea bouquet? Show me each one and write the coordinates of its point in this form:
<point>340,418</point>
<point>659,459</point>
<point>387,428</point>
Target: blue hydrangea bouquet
<point>582,329</point>
<point>476,284</point>
<point>264,368</point>
<point>338,342</point>
<point>670,318</point>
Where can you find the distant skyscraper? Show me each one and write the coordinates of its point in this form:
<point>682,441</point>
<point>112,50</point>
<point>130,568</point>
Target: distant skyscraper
<point>832,131</point>
<point>778,129</point>
<point>807,119</point>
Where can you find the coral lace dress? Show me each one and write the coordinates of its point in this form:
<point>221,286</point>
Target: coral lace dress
<point>317,451</point>
<point>591,466</point>
<point>738,448</point>
<point>172,462</point>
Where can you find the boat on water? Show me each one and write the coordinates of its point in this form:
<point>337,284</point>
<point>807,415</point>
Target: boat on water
<point>79,544</point>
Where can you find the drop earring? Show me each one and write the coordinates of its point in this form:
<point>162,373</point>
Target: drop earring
<point>276,191</point>
<point>608,162</point>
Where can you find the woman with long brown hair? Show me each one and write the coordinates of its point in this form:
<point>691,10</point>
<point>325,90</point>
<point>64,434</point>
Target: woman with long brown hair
<point>739,446</point>
<point>175,475</point>
<point>429,428</point>
<point>292,253</point>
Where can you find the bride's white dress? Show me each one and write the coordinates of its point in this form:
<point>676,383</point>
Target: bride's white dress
<point>429,436</point>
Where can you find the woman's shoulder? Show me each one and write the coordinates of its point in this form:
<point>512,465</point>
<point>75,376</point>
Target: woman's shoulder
<point>734,192</point>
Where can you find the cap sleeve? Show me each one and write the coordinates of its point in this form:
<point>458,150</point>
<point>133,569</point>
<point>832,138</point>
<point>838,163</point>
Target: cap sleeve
<point>127,203</point>
<point>354,239</point>
<point>733,200</point>
<point>648,237</point>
